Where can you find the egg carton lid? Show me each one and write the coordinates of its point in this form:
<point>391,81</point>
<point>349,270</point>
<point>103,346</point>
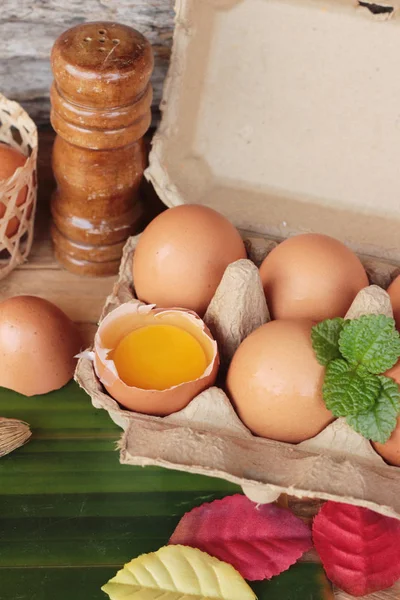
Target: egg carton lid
<point>284,115</point>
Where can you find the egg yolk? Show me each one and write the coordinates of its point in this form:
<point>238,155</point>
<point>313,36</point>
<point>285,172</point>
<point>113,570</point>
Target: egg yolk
<point>157,357</point>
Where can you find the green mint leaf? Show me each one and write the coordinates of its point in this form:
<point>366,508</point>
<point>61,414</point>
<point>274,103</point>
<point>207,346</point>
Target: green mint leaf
<point>371,341</point>
<point>378,423</point>
<point>325,340</point>
<point>348,390</point>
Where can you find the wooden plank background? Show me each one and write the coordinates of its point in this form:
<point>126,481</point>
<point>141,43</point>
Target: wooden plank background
<point>28,29</point>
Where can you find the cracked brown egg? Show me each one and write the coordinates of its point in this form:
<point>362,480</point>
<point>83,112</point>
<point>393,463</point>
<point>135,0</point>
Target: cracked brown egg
<point>275,383</point>
<point>38,345</point>
<point>311,276</point>
<point>153,360</point>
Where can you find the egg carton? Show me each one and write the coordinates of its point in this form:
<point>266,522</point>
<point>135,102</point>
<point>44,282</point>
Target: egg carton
<point>208,438</point>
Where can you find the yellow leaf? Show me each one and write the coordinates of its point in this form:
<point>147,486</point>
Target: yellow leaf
<point>178,573</point>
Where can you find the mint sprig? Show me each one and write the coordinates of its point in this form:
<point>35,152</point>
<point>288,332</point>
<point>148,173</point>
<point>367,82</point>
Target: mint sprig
<point>371,341</point>
<point>325,340</point>
<point>378,423</point>
<point>347,391</point>
<point>355,353</point>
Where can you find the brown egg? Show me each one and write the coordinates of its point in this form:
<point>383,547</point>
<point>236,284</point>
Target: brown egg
<point>38,343</point>
<point>390,451</point>
<point>182,255</point>
<point>311,276</point>
<point>10,161</point>
<point>275,383</point>
<point>133,316</point>
<point>394,293</point>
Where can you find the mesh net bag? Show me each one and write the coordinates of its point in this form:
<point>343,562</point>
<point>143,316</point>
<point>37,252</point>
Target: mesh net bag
<point>17,193</point>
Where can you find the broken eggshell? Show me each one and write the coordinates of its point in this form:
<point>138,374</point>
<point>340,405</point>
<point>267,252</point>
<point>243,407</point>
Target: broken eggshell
<point>125,319</point>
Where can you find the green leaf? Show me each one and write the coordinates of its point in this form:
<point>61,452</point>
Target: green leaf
<point>347,391</point>
<point>303,581</point>
<point>325,340</point>
<point>178,573</point>
<point>378,423</point>
<point>371,341</point>
<point>66,500</point>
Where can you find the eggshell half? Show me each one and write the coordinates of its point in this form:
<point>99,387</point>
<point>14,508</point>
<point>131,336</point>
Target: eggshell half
<point>311,276</point>
<point>125,319</point>
<point>182,255</point>
<point>275,383</point>
<point>390,451</point>
<point>38,345</point>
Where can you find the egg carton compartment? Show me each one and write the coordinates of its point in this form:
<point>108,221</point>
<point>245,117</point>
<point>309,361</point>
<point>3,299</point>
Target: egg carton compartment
<point>207,437</point>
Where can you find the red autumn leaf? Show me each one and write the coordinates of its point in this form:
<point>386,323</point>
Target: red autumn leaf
<point>260,541</point>
<point>359,548</point>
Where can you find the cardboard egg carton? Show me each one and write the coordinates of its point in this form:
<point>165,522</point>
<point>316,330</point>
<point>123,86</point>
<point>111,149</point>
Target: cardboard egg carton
<point>207,437</point>
<point>283,116</point>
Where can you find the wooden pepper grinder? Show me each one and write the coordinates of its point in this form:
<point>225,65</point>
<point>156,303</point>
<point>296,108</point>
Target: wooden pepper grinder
<point>101,108</point>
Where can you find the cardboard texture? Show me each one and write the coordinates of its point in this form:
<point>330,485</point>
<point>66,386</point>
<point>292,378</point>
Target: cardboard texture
<point>207,437</point>
<point>284,116</point>
<point>240,292</point>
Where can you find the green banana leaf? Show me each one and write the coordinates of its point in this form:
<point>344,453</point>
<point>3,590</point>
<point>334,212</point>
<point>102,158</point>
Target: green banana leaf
<point>71,515</point>
<point>304,581</point>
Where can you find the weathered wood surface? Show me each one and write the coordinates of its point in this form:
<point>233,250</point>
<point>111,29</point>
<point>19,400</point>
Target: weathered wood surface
<point>28,29</point>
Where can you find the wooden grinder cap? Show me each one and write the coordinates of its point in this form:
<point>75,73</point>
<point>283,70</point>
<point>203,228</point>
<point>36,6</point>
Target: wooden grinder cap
<point>102,65</point>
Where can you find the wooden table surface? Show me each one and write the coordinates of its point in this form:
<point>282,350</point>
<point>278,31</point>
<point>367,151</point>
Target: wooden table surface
<point>80,298</point>
<point>70,514</point>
